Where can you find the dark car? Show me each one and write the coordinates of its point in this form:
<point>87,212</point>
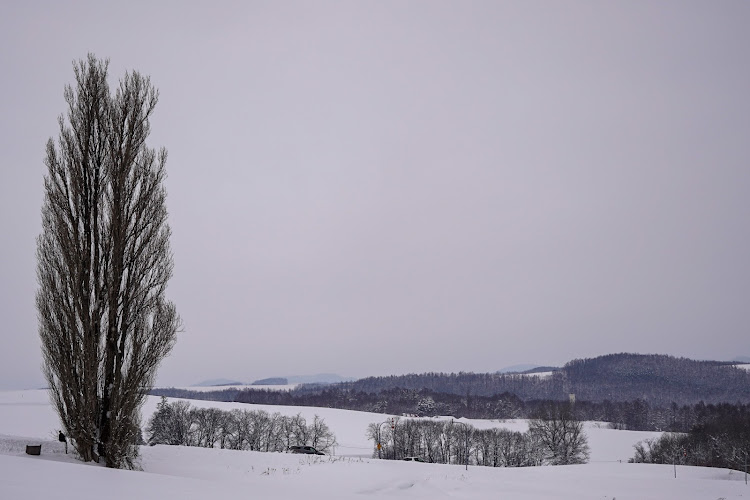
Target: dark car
<point>414,459</point>
<point>307,450</point>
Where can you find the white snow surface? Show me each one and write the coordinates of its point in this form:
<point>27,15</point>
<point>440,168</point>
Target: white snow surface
<point>26,417</point>
<point>210,388</point>
<point>535,374</point>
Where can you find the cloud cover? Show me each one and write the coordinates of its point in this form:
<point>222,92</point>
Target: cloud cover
<point>388,187</point>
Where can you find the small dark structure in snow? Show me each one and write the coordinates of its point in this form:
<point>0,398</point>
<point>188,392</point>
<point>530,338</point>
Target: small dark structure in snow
<point>33,449</point>
<point>61,438</point>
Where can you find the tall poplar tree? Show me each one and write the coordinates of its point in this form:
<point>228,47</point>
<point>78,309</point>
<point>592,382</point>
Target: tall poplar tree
<point>103,263</point>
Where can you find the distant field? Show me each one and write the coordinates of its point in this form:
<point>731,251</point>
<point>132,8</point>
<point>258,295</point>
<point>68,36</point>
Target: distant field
<point>286,387</point>
<point>537,374</point>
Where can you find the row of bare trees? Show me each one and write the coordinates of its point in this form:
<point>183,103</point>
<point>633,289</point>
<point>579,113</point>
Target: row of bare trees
<point>554,438</point>
<point>178,423</point>
<point>440,441</point>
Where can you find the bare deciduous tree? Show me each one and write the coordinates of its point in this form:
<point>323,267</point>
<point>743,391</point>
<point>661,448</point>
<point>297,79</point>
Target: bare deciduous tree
<point>321,437</point>
<point>560,435</point>
<point>103,263</point>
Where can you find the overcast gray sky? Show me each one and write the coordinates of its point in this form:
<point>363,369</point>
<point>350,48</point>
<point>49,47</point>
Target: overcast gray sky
<point>374,188</point>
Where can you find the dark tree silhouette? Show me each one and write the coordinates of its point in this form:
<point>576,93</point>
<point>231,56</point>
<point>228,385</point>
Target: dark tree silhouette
<point>103,263</point>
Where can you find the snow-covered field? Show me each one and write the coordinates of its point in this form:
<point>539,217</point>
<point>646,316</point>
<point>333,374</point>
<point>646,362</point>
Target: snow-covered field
<point>208,388</point>
<point>535,374</point>
<point>181,472</point>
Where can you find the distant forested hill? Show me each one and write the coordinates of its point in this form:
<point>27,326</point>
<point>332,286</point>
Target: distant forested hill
<point>632,391</point>
<point>656,379</point>
<point>474,384</point>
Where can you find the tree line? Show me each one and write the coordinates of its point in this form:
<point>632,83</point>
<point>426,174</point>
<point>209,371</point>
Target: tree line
<point>178,423</point>
<point>721,439</point>
<point>637,414</point>
<point>638,392</point>
<point>555,437</point>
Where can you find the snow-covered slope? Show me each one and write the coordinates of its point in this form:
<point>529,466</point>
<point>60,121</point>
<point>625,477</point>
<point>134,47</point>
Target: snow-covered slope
<point>186,473</point>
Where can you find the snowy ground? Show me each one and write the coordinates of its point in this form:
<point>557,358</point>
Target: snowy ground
<point>26,417</point>
<point>209,388</point>
<point>535,374</point>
